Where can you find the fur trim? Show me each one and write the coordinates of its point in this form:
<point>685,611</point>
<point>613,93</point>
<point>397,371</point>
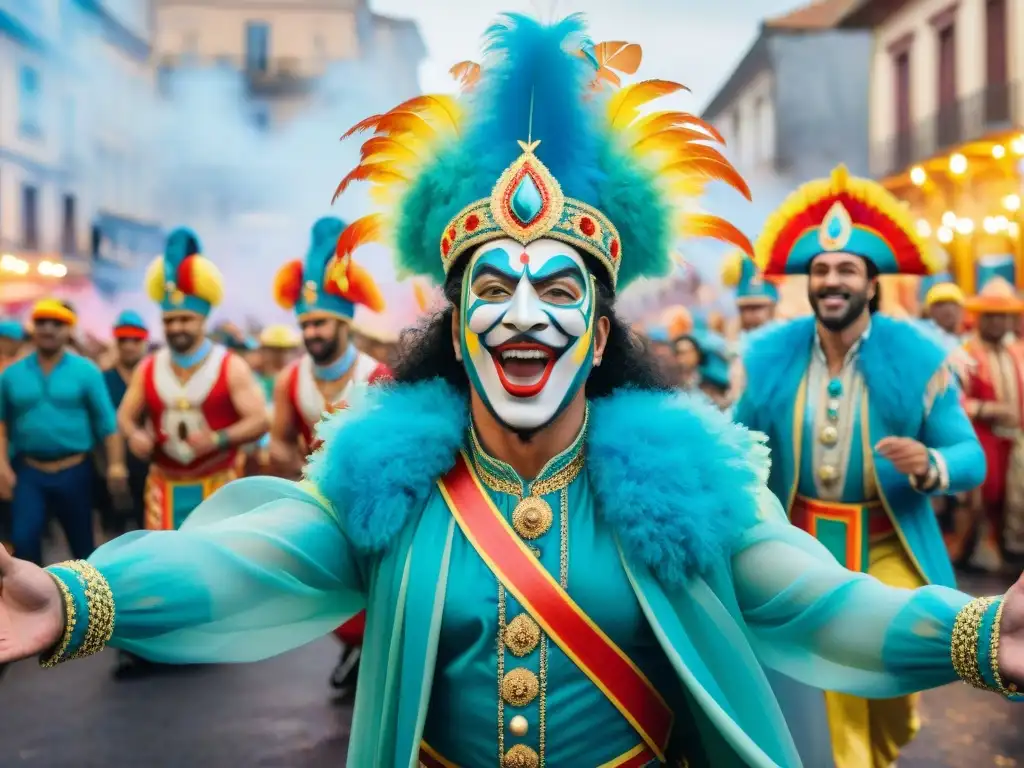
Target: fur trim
<point>897,361</point>
<point>674,478</point>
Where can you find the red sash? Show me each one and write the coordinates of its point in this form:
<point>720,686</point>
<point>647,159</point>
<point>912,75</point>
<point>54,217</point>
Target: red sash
<point>563,620</point>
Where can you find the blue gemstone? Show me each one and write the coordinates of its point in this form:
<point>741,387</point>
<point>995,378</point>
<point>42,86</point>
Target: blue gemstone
<point>526,200</point>
<point>835,227</point>
<point>835,388</point>
<point>833,415</point>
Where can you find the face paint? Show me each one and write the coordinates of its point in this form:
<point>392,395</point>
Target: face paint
<point>527,328</point>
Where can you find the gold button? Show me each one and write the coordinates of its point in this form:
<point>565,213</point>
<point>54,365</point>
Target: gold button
<point>520,756</point>
<point>518,726</point>
<point>519,687</point>
<point>829,435</point>
<point>532,517</point>
<point>827,473</point>
<point>521,635</point>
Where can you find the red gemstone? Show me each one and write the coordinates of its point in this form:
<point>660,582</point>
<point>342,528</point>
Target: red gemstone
<point>451,233</point>
<point>472,222</point>
<point>615,249</point>
<point>587,226</point>
<point>445,246</point>
<point>524,258</point>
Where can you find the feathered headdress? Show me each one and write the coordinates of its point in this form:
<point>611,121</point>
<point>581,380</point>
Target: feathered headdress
<point>842,213</point>
<point>740,272</point>
<point>541,144</point>
<point>328,281</point>
<point>183,280</point>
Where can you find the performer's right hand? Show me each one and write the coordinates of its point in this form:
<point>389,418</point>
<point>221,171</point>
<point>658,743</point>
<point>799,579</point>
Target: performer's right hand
<point>1001,413</point>
<point>140,443</point>
<point>7,481</point>
<point>31,609</point>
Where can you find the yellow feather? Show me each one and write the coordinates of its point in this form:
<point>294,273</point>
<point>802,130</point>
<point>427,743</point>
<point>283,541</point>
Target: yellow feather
<point>385,148</point>
<point>670,140</point>
<point>623,106</point>
<point>154,280</point>
<point>732,268</point>
<point>384,195</point>
<point>704,225</point>
<point>443,107</point>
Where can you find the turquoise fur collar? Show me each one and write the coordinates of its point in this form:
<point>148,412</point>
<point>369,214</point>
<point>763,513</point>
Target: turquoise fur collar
<point>673,477</point>
<point>897,361</point>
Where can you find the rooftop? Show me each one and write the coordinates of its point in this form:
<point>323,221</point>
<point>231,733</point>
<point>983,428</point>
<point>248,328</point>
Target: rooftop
<point>821,14</point>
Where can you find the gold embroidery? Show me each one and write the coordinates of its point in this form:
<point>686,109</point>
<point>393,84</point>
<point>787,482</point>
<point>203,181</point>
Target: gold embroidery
<point>519,687</point>
<point>70,620</point>
<point>1006,690</point>
<point>101,609</point>
<point>532,517</point>
<point>522,635</point>
<point>964,643</point>
<point>520,756</point>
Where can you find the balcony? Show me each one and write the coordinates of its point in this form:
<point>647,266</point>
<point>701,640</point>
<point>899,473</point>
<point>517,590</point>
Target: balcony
<point>995,109</point>
<point>267,78</point>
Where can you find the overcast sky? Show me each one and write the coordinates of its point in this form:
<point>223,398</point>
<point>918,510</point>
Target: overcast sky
<point>696,42</point>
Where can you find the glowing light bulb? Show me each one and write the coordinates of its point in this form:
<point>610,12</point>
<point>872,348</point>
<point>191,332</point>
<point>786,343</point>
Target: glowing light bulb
<point>59,270</point>
<point>1011,202</point>
<point>1017,145</point>
<point>918,176</point>
<point>949,219</point>
<point>1014,229</point>
<point>965,226</point>
<point>998,151</point>
<point>990,225</point>
<point>957,164</point>
<point>945,235</point>
<point>924,229</point>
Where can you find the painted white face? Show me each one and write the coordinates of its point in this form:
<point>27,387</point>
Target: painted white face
<point>527,328</point>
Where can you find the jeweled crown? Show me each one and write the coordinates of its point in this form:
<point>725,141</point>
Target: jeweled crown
<point>527,204</point>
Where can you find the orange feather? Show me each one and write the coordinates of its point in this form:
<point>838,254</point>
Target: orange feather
<point>670,139</point>
<point>612,57</point>
<point>358,286</point>
<point>419,292</point>
<point>435,105</point>
<point>402,123</point>
<point>363,125</point>
<point>710,168</point>
<point>381,173</point>
<point>657,122</point>
<point>288,284</point>
<point>623,106</point>
<point>367,229</point>
<point>384,148</point>
<point>705,225</point>
<point>467,73</point>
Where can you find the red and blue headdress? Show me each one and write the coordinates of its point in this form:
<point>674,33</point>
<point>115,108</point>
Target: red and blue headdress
<point>130,325</point>
<point>327,282</point>
<point>542,144</point>
<point>842,214</point>
<point>183,280</point>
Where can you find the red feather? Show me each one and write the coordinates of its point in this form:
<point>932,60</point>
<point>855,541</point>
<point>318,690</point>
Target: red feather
<point>361,289</point>
<point>705,225</point>
<point>363,125</point>
<point>288,284</point>
<point>367,229</point>
<point>185,279</point>
<point>370,172</point>
<point>713,168</point>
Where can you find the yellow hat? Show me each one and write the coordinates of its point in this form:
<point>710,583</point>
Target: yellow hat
<point>52,309</point>
<point>279,337</point>
<point>943,292</point>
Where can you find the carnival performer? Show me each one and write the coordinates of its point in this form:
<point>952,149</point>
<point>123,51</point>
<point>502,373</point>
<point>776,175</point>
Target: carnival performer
<point>131,337</point>
<point>190,405</point>
<point>54,411</point>
<point>862,415</point>
<point>565,562</point>
<point>12,340</point>
<point>942,304</point>
<point>994,399</point>
<point>324,294</point>
<point>756,297</point>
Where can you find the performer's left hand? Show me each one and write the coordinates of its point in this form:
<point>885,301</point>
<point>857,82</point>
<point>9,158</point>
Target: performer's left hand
<point>908,456</point>
<point>1011,637</point>
<point>202,442</point>
<point>117,481</point>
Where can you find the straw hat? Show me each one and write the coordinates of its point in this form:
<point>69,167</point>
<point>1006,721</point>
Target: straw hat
<point>997,296</point>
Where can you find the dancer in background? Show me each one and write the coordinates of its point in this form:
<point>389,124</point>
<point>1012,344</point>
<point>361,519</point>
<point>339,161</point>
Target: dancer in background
<point>324,293</point>
<point>12,342</point>
<point>54,410</point>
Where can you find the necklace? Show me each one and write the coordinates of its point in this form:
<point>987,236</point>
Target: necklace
<point>191,359</point>
<point>337,369</point>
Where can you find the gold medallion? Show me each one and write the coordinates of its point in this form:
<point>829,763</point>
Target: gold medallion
<point>520,756</point>
<point>532,517</point>
<point>829,435</point>
<point>827,473</point>
<point>309,292</point>
<point>519,687</point>
<point>177,298</point>
<point>521,635</point>
<point>183,404</point>
<point>518,726</point>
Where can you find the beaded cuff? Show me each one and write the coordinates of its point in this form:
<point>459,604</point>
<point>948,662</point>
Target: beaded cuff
<point>975,646</point>
<point>88,610</point>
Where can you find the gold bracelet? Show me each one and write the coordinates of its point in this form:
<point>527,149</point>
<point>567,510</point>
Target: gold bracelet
<point>1006,690</point>
<point>964,644</point>
<point>100,603</point>
<point>70,619</point>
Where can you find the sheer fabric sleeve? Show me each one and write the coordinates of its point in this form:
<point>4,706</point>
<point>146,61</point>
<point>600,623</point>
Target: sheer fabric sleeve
<point>259,568</point>
<point>815,621</point>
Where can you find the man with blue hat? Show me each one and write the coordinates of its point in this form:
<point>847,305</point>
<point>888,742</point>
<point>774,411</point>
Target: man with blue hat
<point>756,296</point>
<point>12,338</point>
<point>131,339</point>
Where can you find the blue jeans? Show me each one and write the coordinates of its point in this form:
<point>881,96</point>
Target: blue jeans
<point>67,494</point>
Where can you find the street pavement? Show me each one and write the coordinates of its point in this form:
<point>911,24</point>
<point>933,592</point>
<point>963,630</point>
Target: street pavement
<point>280,714</point>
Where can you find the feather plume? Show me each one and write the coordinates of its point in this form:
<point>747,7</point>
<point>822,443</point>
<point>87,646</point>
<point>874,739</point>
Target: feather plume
<point>365,124</point>
<point>715,228</point>
<point>368,229</point>
<point>440,106</point>
<point>670,139</point>
<point>382,173</point>
<point>713,169</point>
<point>288,284</point>
<point>421,294</point>
<point>625,104</point>
<point>384,148</point>
<point>732,268</point>
<point>656,122</point>
<point>352,282</point>
<point>467,73</point>
<point>612,57</point>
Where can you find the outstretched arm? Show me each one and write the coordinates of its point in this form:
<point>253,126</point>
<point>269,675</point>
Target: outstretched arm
<point>830,628</point>
<point>259,568</point>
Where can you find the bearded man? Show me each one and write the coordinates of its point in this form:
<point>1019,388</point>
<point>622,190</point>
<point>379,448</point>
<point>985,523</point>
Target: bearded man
<point>564,561</point>
<point>862,415</point>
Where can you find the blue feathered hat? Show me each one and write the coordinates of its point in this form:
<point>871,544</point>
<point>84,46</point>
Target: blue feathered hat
<point>741,273</point>
<point>130,325</point>
<point>183,280</point>
<point>541,144</point>
<point>714,368</point>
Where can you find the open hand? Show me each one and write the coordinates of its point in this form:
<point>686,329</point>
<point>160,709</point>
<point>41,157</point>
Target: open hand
<point>906,454</point>
<point>31,609</point>
<point>140,443</point>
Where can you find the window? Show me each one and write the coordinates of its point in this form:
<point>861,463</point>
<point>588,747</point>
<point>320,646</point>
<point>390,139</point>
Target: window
<point>68,239</point>
<point>998,90</point>
<point>29,217</point>
<point>948,116</point>
<point>257,46</point>
<point>29,102</point>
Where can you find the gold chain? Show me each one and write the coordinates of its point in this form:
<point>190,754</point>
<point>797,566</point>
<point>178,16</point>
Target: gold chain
<point>964,642</point>
<point>1006,690</point>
